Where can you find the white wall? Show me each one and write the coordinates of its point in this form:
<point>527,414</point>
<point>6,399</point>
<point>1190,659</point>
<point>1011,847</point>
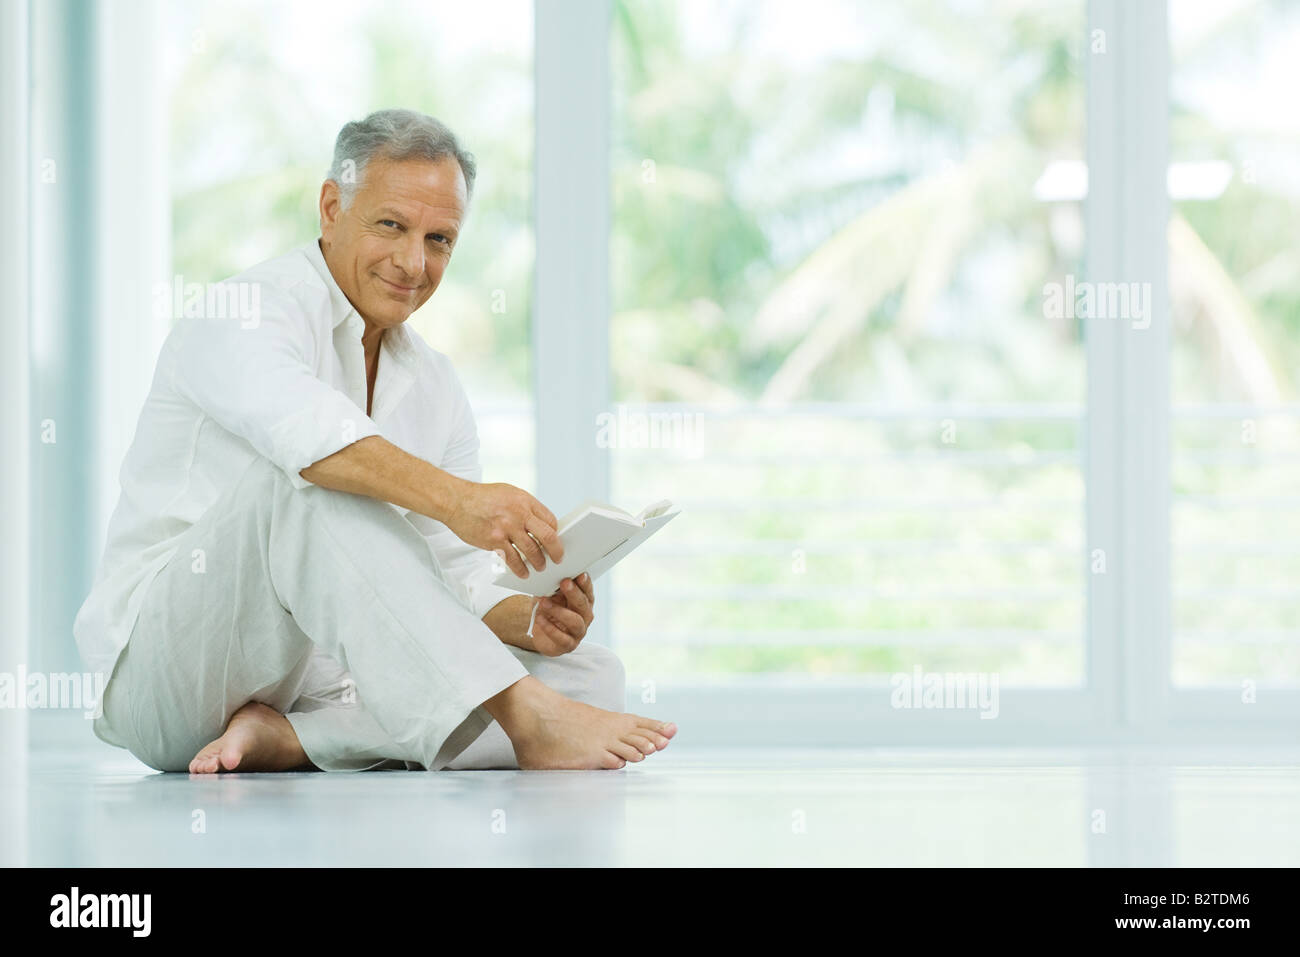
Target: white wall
<point>14,423</point>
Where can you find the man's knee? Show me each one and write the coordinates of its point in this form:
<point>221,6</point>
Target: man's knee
<point>264,481</point>
<point>261,477</point>
<point>264,488</point>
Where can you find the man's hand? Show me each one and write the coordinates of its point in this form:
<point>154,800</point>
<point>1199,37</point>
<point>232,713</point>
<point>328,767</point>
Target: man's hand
<point>501,518</point>
<point>563,618</point>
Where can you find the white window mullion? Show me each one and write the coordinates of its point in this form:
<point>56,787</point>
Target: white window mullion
<point>1144,45</point>
<point>571,299</point>
<point>1128,361</point>
<point>1102,462</point>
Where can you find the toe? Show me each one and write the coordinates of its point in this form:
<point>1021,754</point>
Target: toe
<point>642,744</point>
<point>626,751</point>
<point>205,762</point>
<point>654,737</point>
<point>665,728</point>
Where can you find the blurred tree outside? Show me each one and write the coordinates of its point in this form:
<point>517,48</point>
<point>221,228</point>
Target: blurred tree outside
<point>814,208</point>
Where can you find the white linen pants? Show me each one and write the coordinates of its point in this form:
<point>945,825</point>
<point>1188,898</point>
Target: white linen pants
<point>329,608</point>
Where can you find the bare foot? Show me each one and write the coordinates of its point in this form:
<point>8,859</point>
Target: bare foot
<point>551,731</point>
<point>257,738</point>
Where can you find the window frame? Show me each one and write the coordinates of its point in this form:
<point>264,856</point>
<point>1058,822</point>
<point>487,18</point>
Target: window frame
<point>1128,694</point>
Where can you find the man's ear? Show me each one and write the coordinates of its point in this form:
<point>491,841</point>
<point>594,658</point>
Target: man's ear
<point>330,207</point>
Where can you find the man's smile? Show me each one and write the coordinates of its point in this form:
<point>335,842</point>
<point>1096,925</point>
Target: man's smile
<point>405,290</point>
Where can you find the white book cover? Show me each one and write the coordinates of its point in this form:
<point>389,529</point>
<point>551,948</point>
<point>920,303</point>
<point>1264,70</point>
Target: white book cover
<point>596,537</point>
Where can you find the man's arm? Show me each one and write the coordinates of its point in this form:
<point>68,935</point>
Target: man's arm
<point>508,620</point>
<point>492,517</point>
<point>257,382</point>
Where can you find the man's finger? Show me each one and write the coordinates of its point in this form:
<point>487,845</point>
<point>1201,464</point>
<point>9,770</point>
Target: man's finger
<point>555,635</point>
<point>547,537</point>
<point>565,619</point>
<point>543,630</point>
<point>545,514</point>
<point>511,559</point>
<point>570,621</point>
<point>529,548</point>
<point>588,587</point>
<point>577,599</point>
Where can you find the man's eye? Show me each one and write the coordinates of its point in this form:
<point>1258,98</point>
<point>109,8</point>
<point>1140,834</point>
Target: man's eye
<point>388,222</point>
<point>441,238</point>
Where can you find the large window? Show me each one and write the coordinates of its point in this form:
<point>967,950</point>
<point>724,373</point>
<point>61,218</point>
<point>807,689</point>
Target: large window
<point>1235,290</point>
<point>830,253</point>
<point>846,247</point>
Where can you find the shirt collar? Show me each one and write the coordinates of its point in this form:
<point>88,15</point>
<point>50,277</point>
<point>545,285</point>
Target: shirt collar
<point>340,306</point>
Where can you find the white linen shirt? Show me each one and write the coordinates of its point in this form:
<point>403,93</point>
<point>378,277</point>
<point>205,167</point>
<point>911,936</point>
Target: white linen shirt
<point>286,382</point>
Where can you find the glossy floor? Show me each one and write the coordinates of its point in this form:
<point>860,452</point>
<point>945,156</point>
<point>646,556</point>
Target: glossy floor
<point>99,807</point>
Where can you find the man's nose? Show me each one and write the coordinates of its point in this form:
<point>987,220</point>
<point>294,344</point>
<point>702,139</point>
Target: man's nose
<point>408,257</point>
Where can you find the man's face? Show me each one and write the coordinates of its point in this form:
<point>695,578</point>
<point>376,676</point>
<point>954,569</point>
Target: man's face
<point>389,248</point>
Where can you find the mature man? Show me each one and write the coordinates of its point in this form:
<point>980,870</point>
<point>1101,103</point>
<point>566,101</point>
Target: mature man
<point>296,572</point>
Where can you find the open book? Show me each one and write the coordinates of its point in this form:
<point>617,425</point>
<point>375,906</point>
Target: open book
<point>596,537</point>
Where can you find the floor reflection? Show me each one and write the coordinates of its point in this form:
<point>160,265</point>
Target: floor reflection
<point>13,789</point>
<point>738,807</point>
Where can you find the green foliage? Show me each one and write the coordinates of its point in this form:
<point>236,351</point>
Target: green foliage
<point>744,184</point>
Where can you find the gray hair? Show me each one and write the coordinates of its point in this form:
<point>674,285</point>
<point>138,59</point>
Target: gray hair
<point>394,135</point>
